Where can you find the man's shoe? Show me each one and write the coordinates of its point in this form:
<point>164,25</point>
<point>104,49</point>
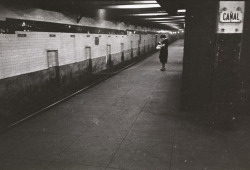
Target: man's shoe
<point>163,69</point>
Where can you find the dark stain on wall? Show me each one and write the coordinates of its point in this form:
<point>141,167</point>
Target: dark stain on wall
<point>26,92</point>
<point>99,64</point>
<point>226,79</point>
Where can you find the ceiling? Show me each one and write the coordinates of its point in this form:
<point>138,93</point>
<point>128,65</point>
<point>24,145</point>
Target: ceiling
<point>151,13</point>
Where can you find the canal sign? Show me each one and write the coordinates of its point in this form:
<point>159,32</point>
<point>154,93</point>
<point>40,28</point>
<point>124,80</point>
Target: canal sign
<point>230,17</point>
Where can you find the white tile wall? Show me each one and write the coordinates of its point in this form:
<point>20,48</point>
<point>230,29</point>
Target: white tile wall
<point>20,55</point>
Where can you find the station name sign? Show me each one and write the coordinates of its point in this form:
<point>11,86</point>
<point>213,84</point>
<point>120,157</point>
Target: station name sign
<point>234,16</point>
<point>230,17</point>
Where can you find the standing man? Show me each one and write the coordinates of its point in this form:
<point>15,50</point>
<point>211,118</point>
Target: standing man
<point>164,51</point>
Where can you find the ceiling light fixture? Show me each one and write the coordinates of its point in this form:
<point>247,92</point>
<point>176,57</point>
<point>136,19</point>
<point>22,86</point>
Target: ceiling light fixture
<point>135,6</point>
<point>178,20</point>
<point>169,23</point>
<point>149,14</point>
<point>179,16</point>
<point>145,2</point>
<point>166,18</point>
<point>181,10</point>
<point>157,18</point>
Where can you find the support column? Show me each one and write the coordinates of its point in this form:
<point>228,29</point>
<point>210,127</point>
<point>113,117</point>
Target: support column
<point>199,46</point>
<point>226,72</point>
<point>216,58</point>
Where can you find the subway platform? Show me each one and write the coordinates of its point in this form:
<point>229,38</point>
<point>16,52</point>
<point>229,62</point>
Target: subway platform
<point>131,121</point>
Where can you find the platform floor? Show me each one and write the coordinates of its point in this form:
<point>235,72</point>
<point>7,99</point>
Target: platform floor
<point>131,121</point>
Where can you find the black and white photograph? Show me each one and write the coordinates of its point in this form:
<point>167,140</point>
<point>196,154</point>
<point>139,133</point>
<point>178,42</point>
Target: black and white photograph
<point>124,85</point>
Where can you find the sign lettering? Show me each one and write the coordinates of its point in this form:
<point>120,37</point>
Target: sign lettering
<point>230,16</point>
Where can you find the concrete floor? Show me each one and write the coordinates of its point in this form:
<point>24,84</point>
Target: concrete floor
<point>130,121</point>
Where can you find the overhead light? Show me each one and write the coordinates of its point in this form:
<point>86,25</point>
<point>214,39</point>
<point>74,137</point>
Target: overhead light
<point>170,22</point>
<point>162,21</point>
<point>166,18</point>
<point>145,2</point>
<point>135,6</point>
<point>179,16</point>
<point>149,14</point>
<point>156,18</point>
<point>181,10</point>
<point>167,23</point>
<point>178,20</point>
